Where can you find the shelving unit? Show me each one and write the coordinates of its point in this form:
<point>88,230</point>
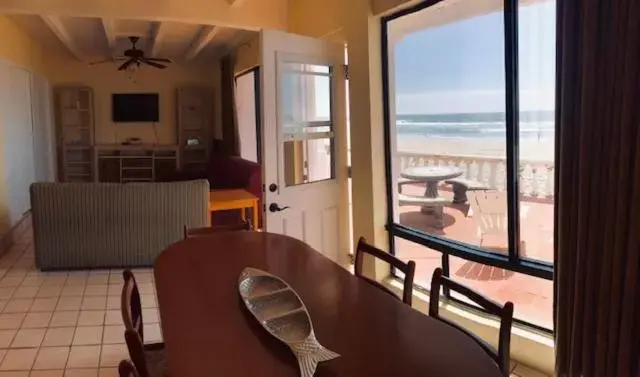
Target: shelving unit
<point>194,107</point>
<point>74,133</point>
<point>135,163</point>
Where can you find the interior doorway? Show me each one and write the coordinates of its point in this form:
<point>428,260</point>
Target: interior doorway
<point>247,102</point>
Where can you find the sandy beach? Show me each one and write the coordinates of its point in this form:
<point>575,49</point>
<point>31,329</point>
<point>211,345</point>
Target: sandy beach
<point>530,149</point>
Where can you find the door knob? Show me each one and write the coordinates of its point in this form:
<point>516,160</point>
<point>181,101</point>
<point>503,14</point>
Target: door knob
<point>274,207</point>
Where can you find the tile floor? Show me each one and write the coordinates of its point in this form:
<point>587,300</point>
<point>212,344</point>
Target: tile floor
<point>64,323</point>
<point>68,323</point>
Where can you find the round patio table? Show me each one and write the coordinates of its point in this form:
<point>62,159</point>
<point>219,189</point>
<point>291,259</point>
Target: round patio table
<point>432,175</point>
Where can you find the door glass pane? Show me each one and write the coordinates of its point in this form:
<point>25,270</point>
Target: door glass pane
<point>537,41</point>
<point>245,102</point>
<point>448,129</point>
<point>307,128</point>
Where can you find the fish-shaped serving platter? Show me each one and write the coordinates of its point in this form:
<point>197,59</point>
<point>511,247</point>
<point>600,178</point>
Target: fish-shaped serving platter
<point>282,313</point>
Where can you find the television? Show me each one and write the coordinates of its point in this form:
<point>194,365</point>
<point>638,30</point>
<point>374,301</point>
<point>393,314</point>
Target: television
<point>135,107</point>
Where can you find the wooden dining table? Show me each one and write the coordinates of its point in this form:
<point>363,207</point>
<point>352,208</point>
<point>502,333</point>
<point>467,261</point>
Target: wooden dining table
<point>209,332</point>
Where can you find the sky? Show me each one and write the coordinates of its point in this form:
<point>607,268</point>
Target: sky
<point>459,67</point>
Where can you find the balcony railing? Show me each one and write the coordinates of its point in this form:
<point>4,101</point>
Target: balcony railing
<point>536,177</point>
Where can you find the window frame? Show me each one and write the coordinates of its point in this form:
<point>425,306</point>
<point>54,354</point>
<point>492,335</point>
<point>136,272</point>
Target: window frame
<point>256,84</point>
<point>512,261</point>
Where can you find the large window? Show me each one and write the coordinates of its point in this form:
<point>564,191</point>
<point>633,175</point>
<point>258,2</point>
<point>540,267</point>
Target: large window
<point>469,106</point>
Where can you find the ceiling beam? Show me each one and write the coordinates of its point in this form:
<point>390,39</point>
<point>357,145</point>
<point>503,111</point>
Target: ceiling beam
<point>249,15</point>
<point>155,39</point>
<point>57,27</point>
<point>206,34</point>
<point>110,32</point>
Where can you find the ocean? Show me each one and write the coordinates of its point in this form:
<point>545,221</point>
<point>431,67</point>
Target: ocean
<point>534,125</point>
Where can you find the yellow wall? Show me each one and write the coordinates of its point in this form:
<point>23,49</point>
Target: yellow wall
<point>105,80</point>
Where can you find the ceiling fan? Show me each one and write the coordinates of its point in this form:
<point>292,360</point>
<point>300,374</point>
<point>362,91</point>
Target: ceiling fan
<point>135,56</point>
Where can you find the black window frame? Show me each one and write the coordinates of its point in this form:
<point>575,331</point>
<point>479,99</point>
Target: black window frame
<point>512,261</point>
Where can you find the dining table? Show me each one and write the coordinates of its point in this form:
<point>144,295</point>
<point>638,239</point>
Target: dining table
<point>208,330</point>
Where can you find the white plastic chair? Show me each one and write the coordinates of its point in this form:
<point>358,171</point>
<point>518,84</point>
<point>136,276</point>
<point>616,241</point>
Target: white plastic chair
<point>490,211</point>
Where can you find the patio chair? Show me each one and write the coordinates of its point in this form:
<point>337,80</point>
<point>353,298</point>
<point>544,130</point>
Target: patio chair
<point>490,211</point>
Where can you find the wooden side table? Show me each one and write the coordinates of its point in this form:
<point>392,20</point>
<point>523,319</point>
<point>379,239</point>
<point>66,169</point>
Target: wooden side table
<point>222,200</point>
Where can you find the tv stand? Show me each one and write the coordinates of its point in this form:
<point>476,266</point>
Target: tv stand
<point>135,163</point>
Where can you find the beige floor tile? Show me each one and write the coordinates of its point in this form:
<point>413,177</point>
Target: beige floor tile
<point>6,337</point>
<point>113,334</point>
<point>44,304</point>
<point>112,354</point>
<point>64,318</point>
<point>3,303</point>
<point>78,274</point>
<point>69,303</point>
<point>114,290</point>
<point>84,357</point>
<point>14,374</point>
<point>28,338</point>
<point>55,280</point>
<point>51,358</point>
<point>96,290</point>
<point>99,272</point>
<point>113,317</point>
<point>6,292</point>
<point>25,292</point>
<point>11,281</point>
<point>19,359</point>
<point>72,290</point>
<point>85,336</point>
<point>32,281</point>
<point>150,315</point>
<point>36,320</point>
<point>152,333</point>
<point>142,278</point>
<point>113,302</point>
<point>148,301</point>
<point>47,373</point>
<point>525,371</point>
<point>18,305</point>
<point>47,291</point>
<point>94,303</point>
<point>60,336</point>
<point>81,373</point>
<point>108,372</point>
<point>10,321</point>
<point>76,281</point>
<point>146,288</point>
<point>91,318</point>
<point>98,279</point>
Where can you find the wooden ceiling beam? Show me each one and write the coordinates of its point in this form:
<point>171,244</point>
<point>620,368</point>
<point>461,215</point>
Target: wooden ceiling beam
<point>155,39</point>
<point>57,27</point>
<point>110,33</point>
<point>206,34</point>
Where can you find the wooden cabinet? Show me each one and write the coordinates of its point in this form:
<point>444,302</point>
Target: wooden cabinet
<point>135,163</point>
<point>194,108</point>
<point>74,133</point>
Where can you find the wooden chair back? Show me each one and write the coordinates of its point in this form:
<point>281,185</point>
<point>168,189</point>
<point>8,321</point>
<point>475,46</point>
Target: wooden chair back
<point>131,306</point>
<point>135,345</point>
<point>200,232</point>
<point>504,312</point>
<point>409,269</point>
<point>126,369</point>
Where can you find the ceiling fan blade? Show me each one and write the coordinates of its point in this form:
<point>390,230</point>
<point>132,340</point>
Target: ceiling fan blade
<point>161,60</point>
<point>153,64</point>
<point>126,65</point>
<point>101,61</point>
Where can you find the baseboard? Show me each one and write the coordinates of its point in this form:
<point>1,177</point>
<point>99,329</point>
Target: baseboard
<point>8,239</point>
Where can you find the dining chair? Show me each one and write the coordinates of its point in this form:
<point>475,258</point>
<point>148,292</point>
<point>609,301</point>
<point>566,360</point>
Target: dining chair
<point>148,359</point>
<point>504,312</point>
<point>408,269</point>
<point>126,369</point>
<point>199,232</point>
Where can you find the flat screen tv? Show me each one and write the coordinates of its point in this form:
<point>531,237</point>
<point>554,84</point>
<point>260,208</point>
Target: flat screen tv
<point>135,107</point>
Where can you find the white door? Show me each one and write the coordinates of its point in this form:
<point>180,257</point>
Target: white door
<point>304,141</point>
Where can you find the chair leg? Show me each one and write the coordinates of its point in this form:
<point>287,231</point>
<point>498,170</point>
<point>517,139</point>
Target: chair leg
<point>459,194</point>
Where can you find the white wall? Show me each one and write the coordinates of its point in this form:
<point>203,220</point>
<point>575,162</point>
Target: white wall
<point>105,80</point>
<point>25,126</point>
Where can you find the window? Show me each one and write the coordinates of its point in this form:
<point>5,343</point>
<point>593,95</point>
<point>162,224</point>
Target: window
<point>469,108</point>
<point>247,109</point>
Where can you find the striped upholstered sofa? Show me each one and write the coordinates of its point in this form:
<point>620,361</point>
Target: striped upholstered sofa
<point>96,225</point>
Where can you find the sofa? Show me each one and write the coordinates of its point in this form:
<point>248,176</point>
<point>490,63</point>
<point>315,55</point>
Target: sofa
<point>100,225</point>
<point>228,172</point>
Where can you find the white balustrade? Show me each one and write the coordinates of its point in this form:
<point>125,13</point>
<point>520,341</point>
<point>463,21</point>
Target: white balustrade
<point>536,177</point>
